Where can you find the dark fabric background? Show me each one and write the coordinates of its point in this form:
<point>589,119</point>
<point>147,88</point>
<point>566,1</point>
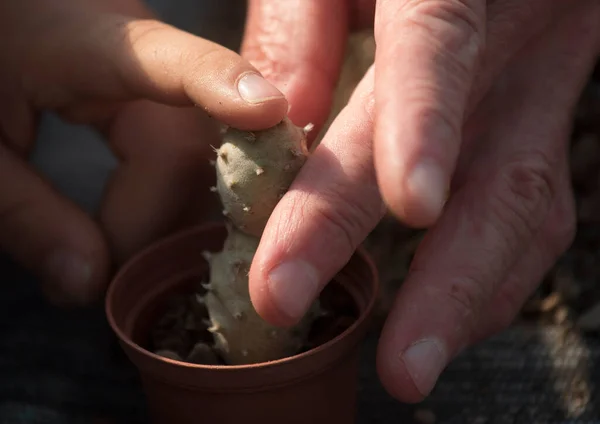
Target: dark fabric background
<point>63,367</point>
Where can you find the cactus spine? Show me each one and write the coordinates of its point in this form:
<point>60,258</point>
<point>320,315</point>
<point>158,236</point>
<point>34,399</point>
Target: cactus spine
<point>254,170</point>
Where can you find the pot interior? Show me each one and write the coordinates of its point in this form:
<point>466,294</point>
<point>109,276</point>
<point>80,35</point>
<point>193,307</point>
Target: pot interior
<point>141,292</point>
<point>176,299</point>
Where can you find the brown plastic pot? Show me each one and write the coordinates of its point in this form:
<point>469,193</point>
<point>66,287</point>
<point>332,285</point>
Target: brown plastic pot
<point>317,386</point>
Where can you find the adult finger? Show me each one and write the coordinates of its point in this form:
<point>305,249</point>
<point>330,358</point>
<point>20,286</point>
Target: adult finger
<point>161,183</point>
<point>318,224</point>
<point>553,238</point>
<point>460,265</point>
<point>114,57</point>
<point>46,233</point>
<point>427,55</point>
<point>299,46</point>
<point>438,90</point>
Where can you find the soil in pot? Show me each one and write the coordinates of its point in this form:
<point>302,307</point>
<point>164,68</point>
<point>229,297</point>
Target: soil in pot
<point>180,332</point>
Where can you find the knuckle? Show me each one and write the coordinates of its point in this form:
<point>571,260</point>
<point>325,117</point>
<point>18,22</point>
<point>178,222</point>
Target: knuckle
<point>342,220</point>
<point>429,116</point>
<point>527,191</point>
<point>467,294</point>
<point>266,58</point>
<point>455,24</point>
<point>210,61</point>
<point>350,220</point>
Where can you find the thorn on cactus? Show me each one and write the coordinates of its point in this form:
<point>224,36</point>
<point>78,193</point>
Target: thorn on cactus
<point>225,212</point>
<point>212,162</point>
<point>215,328</point>
<point>207,255</point>
<point>207,286</point>
<point>246,209</point>
<point>308,128</point>
<point>200,299</point>
<point>213,189</point>
<point>259,171</point>
<point>295,153</point>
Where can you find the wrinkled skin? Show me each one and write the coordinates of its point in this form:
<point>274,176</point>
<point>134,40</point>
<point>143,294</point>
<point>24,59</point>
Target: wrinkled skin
<point>461,126</point>
<point>148,88</point>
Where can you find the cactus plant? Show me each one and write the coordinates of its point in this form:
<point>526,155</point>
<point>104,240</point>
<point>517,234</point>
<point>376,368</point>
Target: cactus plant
<point>254,170</point>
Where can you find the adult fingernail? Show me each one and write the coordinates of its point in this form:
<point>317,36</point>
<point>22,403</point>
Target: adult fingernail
<point>293,286</point>
<point>425,360</point>
<point>429,183</point>
<point>253,88</point>
<point>69,273</point>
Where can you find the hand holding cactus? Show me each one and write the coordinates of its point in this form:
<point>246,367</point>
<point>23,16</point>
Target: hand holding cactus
<point>460,126</point>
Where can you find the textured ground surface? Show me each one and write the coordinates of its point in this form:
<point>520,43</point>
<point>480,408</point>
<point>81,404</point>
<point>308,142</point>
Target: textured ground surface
<point>64,367</point>
<point>60,367</point>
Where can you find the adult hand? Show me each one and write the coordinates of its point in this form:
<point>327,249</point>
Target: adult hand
<point>469,96</point>
<point>148,87</point>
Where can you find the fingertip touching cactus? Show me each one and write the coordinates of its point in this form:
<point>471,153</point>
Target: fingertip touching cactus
<point>254,170</point>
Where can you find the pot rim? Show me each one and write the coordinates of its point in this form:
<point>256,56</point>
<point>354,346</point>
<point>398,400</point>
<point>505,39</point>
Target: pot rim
<point>197,230</point>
